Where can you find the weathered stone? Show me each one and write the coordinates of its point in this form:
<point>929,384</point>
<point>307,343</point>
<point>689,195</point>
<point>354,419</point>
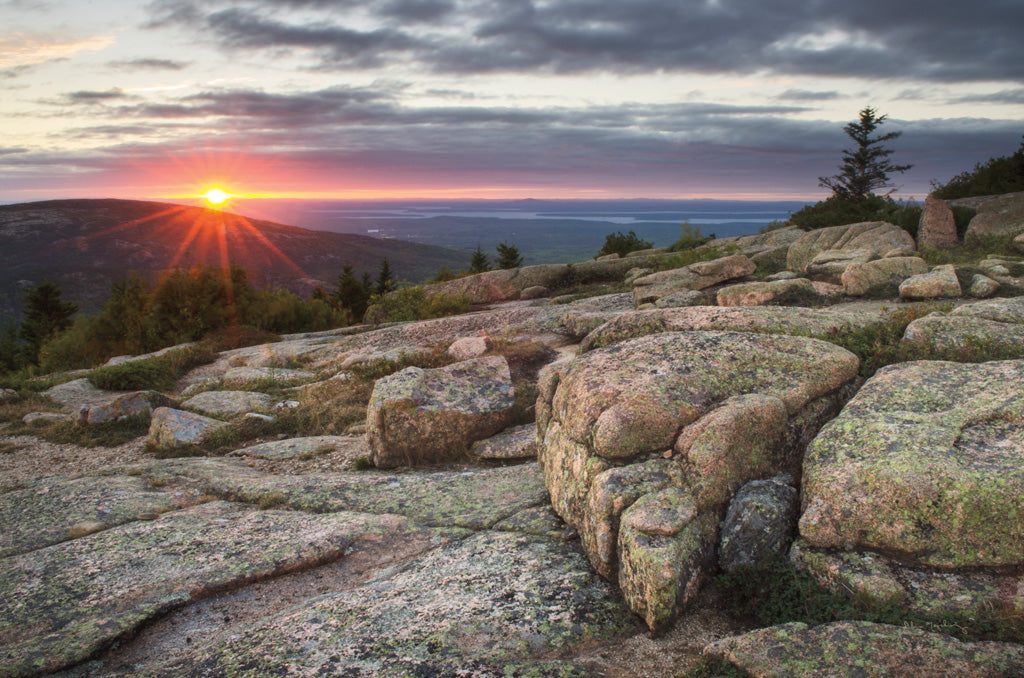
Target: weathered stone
<point>577,325</point>
<point>737,441</point>
<point>354,446</point>
<point>60,605</point>
<point>1018,243</point>
<point>854,649</point>
<point>665,552</point>
<point>518,442</point>
<point>829,266</point>
<point>759,523</point>
<point>45,418</point>
<point>982,287</point>
<point>421,416</point>
<point>940,282</point>
<point>882,277</point>
<point>876,237</point>
<point>240,376</point>
<point>699,276</point>
<point>57,509</point>
<point>798,292</point>
<point>821,323</point>
<point>493,604</point>
<point>997,215</point>
<point>984,330</point>
<point>177,428</point>
<point>228,403</point>
<point>474,499</point>
<point>8,395</point>
<point>937,227</point>
<point>672,395</point>
<point>686,298</point>
<point>468,348</point>
<point>124,359</point>
<point>968,596</point>
<point>535,292</point>
<point>612,492</point>
<point>925,462</point>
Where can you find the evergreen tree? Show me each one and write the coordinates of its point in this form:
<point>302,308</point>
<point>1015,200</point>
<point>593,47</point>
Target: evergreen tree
<point>385,279</point>
<point>508,257</point>
<point>45,316</point>
<point>867,167</point>
<point>479,263</point>
<point>353,295</point>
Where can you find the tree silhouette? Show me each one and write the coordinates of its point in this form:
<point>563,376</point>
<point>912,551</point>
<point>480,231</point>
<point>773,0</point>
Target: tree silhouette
<point>479,263</point>
<point>508,257</point>
<point>45,316</point>
<point>867,167</point>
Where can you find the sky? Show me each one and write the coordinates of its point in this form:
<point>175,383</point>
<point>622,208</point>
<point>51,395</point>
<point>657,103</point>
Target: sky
<point>445,99</point>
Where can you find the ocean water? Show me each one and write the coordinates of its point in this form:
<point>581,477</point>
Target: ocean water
<point>545,231</point>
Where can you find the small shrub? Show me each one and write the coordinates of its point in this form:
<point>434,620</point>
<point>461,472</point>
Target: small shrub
<point>158,373</point>
<point>444,274</point>
<point>995,176</point>
<point>413,303</point>
<point>362,464</point>
<point>835,211</point>
<point>623,243</point>
<point>691,237</point>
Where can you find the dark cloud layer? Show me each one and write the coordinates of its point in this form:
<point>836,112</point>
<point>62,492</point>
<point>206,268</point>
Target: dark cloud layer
<point>950,42</point>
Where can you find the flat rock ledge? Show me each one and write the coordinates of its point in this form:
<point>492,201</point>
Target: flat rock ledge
<point>853,649</point>
<point>644,442</point>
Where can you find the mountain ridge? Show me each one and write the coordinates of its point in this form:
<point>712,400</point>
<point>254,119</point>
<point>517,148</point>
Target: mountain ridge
<point>87,244</point>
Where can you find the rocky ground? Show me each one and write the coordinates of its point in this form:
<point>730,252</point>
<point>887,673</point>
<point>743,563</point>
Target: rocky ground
<point>551,486</point>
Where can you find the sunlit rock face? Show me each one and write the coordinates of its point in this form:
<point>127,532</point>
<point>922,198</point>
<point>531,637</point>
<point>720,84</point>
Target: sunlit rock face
<point>644,442</point>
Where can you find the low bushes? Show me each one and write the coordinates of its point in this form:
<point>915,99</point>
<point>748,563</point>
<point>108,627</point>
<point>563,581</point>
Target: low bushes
<point>158,373</point>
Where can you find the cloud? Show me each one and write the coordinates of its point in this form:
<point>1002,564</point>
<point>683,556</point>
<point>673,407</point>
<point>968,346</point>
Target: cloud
<point>150,64</point>
<point>94,97</point>
<point>869,39</point>
<point>22,49</point>
<point>1006,96</point>
<point>807,95</point>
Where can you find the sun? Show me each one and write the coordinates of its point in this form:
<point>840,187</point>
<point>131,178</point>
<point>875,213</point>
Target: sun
<point>216,196</point>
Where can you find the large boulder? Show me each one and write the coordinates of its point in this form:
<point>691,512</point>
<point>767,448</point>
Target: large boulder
<point>699,276</point>
<point>843,245</point>
<point>683,419</point>
<point>926,463</point>
<point>998,215</point>
<point>979,331</point>
<point>797,292</point>
<point>881,277</point>
<point>858,649</point>
<point>940,282</point>
<point>170,428</point>
<point>937,227</point>
<point>419,416</point>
